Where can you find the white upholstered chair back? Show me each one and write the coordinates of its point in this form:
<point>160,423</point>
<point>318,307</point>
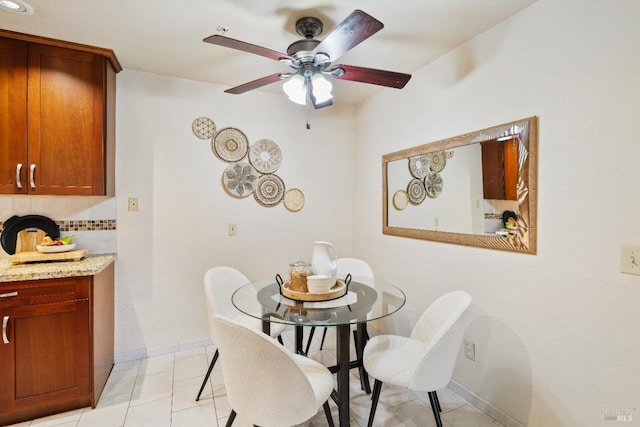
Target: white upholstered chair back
<point>219,284</point>
<point>360,270</point>
<point>264,384</point>
<point>441,329</point>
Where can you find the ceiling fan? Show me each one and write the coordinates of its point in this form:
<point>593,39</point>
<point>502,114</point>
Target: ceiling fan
<point>312,59</point>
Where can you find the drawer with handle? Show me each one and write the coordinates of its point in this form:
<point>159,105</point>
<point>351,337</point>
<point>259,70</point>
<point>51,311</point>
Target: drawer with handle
<point>14,294</point>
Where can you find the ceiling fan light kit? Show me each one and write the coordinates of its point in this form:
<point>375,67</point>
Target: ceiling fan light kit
<point>298,89</point>
<point>312,60</point>
<point>16,6</point>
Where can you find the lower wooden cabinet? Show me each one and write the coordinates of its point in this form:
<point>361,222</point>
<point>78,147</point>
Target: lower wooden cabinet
<point>56,348</point>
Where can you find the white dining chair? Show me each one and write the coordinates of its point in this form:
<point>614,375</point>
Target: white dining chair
<point>267,385</point>
<point>219,285</point>
<point>425,360</point>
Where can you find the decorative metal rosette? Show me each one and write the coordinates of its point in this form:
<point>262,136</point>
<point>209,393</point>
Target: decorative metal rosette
<point>293,200</point>
<point>230,145</point>
<point>433,184</point>
<point>240,179</point>
<point>265,156</point>
<point>269,190</point>
<point>416,191</point>
<point>437,161</point>
<point>400,200</point>
<point>203,128</point>
<point>419,166</point>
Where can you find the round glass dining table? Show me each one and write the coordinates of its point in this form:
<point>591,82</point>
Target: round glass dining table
<point>365,300</point>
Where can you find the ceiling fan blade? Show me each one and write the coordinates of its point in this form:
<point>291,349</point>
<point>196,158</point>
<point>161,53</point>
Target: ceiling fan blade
<point>246,47</point>
<point>356,28</point>
<point>371,76</point>
<point>263,81</point>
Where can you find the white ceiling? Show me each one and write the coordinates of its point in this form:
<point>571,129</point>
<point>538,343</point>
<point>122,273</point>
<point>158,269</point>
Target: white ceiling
<point>165,36</point>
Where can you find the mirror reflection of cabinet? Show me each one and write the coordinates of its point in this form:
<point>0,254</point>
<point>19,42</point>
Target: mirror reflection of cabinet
<point>500,169</point>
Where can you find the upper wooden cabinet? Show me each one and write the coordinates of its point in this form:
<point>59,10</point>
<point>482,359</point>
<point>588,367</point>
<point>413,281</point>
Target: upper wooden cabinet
<point>500,169</point>
<point>57,117</point>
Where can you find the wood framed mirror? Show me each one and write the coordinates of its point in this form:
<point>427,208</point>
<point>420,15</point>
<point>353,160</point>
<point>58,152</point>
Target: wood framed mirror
<point>477,189</point>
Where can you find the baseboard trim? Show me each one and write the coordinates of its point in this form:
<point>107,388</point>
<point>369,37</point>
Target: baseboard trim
<point>491,411</point>
<point>161,350</point>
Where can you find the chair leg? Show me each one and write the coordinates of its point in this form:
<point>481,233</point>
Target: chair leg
<point>324,334</point>
<point>311,332</point>
<point>232,416</point>
<point>206,377</point>
<point>377,386</point>
<point>433,399</point>
<point>435,396</point>
<point>327,412</point>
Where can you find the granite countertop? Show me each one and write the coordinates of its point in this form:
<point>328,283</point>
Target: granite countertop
<point>88,266</point>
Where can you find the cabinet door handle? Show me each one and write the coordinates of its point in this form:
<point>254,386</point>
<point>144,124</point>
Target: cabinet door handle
<point>9,294</point>
<point>19,176</point>
<point>32,175</point>
<point>5,322</point>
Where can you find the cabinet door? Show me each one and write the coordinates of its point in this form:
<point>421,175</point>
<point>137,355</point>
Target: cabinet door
<point>45,359</point>
<point>13,116</point>
<point>65,121</point>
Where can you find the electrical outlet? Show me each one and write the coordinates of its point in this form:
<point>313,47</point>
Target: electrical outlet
<point>133,204</point>
<point>630,259</point>
<point>470,350</point>
<point>233,229</point>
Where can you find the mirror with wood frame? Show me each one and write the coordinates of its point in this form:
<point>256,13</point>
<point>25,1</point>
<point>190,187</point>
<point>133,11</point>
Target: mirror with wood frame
<point>477,189</point>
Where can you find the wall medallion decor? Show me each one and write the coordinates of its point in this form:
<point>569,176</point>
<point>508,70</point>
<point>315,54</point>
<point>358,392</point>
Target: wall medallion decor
<point>240,179</point>
<point>253,175</point>
<point>269,190</point>
<point>437,161</point>
<point>419,166</point>
<point>230,145</point>
<point>433,184</point>
<point>293,199</point>
<point>400,199</point>
<point>416,191</point>
<point>265,156</point>
<point>203,127</point>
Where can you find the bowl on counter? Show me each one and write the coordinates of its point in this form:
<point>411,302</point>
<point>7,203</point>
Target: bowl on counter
<point>55,249</point>
<point>320,283</point>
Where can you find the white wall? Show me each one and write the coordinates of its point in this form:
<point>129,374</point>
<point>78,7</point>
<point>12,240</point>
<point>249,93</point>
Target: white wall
<point>556,333</point>
<point>181,228</point>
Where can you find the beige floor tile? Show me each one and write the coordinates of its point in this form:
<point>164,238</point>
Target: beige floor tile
<point>110,412</point>
<point>202,415</point>
<point>152,387</point>
<point>70,417</point>
<point>185,392</point>
<point>190,367</point>
<point>156,364</point>
<point>468,416</point>
<point>152,414</point>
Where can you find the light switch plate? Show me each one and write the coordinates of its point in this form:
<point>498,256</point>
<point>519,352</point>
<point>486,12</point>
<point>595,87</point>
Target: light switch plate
<point>630,259</point>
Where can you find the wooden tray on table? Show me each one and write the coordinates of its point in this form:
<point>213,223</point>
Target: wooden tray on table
<point>338,290</point>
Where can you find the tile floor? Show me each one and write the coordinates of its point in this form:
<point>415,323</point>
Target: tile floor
<point>160,392</point>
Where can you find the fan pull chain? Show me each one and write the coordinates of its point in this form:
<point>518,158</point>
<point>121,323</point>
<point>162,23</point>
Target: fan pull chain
<point>308,116</point>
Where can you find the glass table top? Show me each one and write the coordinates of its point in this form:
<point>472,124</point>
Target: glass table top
<point>365,300</point>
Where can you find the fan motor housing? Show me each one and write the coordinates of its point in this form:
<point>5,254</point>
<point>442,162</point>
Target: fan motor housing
<point>304,45</point>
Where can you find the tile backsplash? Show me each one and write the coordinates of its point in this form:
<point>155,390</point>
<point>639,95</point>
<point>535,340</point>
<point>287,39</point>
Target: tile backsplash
<point>90,220</point>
